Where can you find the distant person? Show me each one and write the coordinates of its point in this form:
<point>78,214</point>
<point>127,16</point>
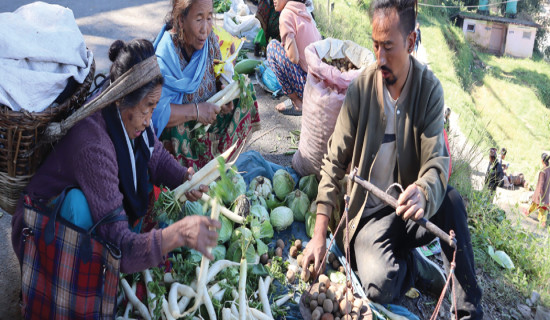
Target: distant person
<point>418,39</point>
<point>287,57</point>
<point>541,197</point>
<point>494,173</point>
<point>447,119</point>
<point>269,19</point>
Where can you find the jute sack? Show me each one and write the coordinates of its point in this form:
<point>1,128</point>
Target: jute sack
<point>324,93</point>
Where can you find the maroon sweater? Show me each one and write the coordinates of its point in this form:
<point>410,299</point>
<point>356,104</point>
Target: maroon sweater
<point>86,158</point>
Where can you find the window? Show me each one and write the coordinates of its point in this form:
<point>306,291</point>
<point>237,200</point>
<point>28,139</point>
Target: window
<point>471,28</point>
<point>526,35</point>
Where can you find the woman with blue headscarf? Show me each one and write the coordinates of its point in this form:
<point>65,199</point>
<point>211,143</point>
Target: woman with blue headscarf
<point>186,49</point>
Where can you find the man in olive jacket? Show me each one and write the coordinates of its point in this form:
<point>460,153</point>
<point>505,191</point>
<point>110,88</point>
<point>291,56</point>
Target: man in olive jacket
<point>391,128</point>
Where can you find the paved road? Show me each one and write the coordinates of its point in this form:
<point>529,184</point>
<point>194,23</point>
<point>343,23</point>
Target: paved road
<point>102,22</point>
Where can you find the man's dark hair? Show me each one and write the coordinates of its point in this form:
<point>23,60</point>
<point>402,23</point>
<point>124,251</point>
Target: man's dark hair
<point>406,10</point>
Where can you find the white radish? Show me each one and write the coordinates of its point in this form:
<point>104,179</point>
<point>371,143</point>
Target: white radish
<point>259,315</point>
<point>183,303</point>
<point>228,94</point>
<point>166,310</point>
<point>264,299</point>
<point>234,311</point>
<point>283,300</point>
<point>148,278</point>
<point>226,212</point>
<point>216,287</point>
<point>242,290</point>
<point>177,290</point>
<point>267,284</point>
<point>208,304</point>
<point>218,266</point>
<point>141,308</point>
<point>202,293</point>
<point>218,295</point>
<point>129,305</point>
<point>169,278</point>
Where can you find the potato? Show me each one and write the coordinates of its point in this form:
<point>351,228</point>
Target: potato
<point>321,298</point>
<point>300,259</point>
<point>290,276</point>
<point>327,316</point>
<point>331,257</point>
<point>337,318</point>
<point>324,279</point>
<point>338,295</point>
<point>345,306</point>
<point>313,304</point>
<point>316,315</point>
<point>331,293</point>
<point>293,252</point>
<point>315,295</point>
<point>298,244</point>
<point>264,258</point>
<point>346,317</point>
<point>322,288</point>
<point>312,270</point>
<point>279,252</point>
<point>342,269</point>
<point>335,264</point>
<point>305,275</point>
<point>327,305</point>
<point>280,244</point>
<point>358,303</point>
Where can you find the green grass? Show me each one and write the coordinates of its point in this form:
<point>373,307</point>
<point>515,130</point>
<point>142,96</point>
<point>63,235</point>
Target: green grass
<point>505,105</point>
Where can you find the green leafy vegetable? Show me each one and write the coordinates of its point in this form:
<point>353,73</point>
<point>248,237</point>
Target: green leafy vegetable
<point>309,186</point>
<point>281,218</point>
<point>283,183</point>
<point>298,202</point>
<point>226,230</point>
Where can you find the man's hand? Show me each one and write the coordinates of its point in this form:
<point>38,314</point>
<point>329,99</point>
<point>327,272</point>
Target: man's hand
<point>411,203</point>
<point>317,247</point>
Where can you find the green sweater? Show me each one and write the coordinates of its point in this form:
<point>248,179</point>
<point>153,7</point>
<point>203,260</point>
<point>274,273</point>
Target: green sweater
<point>422,157</point>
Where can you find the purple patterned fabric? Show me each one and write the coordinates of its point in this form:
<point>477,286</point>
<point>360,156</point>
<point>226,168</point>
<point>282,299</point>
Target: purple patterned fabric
<point>290,75</point>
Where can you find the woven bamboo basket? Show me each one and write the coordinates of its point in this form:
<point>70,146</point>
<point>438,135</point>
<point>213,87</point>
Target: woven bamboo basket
<point>20,133</point>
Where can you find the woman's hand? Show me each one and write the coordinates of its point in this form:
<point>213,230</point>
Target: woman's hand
<point>196,194</point>
<point>228,107</point>
<point>195,232</point>
<point>208,112</point>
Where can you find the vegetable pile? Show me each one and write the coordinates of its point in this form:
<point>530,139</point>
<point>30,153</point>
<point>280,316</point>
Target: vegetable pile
<point>237,284</point>
<point>343,64</point>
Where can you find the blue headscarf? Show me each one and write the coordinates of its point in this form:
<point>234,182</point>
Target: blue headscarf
<point>177,82</point>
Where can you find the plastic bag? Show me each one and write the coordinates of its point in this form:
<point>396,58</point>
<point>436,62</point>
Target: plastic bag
<point>241,26</point>
<point>324,94</point>
<point>268,78</point>
<point>229,47</point>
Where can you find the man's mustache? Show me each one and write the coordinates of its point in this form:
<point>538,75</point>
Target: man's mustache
<point>384,68</point>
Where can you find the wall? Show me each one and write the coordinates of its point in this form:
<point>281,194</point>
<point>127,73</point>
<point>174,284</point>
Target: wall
<point>482,33</point>
<point>516,45</point>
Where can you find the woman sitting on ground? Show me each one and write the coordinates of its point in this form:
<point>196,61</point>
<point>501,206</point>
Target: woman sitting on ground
<point>541,197</point>
<point>186,49</point>
<point>95,156</point>
<point>287,58</point>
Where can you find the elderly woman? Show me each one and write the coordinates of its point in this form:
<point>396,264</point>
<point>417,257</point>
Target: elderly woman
<point>541,197</point>
<point>109,157</point>
<point>186,49</point>
<point>287,58</point>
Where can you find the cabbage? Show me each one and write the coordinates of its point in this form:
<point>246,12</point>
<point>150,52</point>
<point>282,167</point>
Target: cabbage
<point>281,218</point>
<point>261,230</point>
<point>261,185</point>
<point>242,234</point>
<point>298,202</point>
<point>310,223</point>
<point>235,252</point>
<point>227,228</point>
<point>260,212</point>
<point>262,247</point>
<point>194,208</point>
<point>241,206</point>
<point>272,202</point>
<point>309,186</point>
<point>283,183</point>
<point>238,187</point>
<point>219,252</point>
<point>194,256</point>
<point>256,199</point>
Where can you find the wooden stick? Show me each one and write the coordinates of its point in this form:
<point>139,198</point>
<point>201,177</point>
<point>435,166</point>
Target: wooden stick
<point>391,201</point>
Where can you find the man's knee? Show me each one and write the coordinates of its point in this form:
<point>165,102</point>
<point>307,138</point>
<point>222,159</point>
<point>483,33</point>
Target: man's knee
<point>380,285</point>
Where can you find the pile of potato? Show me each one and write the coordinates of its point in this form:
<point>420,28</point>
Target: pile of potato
<point>343,64</point>
<point>332,301</point>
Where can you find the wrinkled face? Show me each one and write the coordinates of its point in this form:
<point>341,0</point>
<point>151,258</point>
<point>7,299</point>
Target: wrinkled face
<point>136,119</point>
<point>279,4</point>
<point>197,25</point>
<point>391,49</point>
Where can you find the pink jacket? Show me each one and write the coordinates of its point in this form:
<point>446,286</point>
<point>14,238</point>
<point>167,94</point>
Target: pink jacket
<point>296,23</point>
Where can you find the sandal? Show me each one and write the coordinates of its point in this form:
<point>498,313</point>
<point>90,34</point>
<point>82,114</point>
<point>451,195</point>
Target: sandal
<point>289,109</point>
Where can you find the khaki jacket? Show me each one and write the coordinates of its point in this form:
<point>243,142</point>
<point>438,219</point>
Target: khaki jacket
<point>422,157</point>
